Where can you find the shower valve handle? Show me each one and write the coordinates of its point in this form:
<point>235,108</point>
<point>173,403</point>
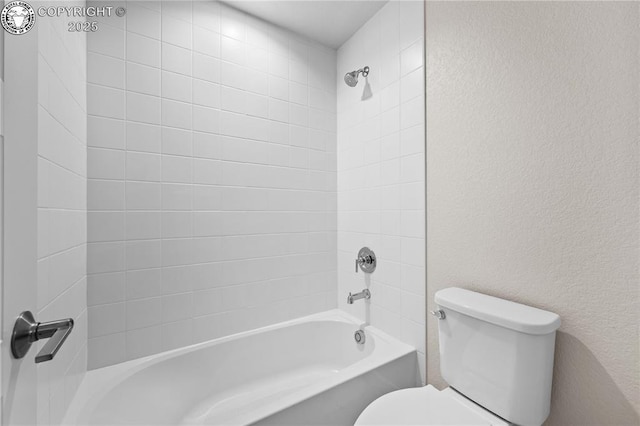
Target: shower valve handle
<point>366,260</point>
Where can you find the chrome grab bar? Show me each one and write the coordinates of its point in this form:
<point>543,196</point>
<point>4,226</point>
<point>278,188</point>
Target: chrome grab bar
<point>26,331</point>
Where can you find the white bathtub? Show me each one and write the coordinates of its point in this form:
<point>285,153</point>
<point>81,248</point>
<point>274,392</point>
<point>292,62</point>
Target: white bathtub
<point>303,372</point>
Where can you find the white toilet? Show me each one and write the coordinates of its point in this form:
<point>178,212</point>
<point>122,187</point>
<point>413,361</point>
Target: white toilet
<point>496,356</point>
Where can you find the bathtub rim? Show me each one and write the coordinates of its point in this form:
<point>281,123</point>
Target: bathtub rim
<point>98,382</point>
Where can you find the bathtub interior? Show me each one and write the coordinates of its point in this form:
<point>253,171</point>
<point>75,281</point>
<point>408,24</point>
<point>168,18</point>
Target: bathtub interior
<point>240,379</point>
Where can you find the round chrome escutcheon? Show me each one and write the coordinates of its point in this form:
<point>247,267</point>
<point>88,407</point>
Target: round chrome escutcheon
<point>369,260</point>
<point>359,337</point>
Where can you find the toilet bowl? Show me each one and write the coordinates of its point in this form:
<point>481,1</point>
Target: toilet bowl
<point>497,357</point>
<point>426,406</point>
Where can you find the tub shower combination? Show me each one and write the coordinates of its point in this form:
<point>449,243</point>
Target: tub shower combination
<point>189,260</point>
<point>305,371</point>
<point>319,369</point>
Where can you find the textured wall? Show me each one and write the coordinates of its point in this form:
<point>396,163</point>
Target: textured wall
<point>381,171</point>
<point>211,177</point>
<point>62,208</point>
<point>532,182</point>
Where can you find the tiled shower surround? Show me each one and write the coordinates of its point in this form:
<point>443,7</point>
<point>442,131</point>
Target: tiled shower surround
<point>381,172</point>
<point>224,192</point>
<point>212,181</point>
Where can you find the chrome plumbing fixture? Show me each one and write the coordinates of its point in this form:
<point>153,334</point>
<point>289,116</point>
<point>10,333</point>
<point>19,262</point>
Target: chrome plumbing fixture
<point>364,294</point>
<point>26,331</point>
<point>359,337</point>
<point>366,260</point>
<point>351,78</point>
<point>438,314</point>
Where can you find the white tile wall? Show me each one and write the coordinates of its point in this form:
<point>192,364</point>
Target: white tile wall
<point>381,171</point>
<point>212,179</point>
<point>62,201</point>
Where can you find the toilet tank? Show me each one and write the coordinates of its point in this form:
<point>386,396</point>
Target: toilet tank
<point>498,353</point>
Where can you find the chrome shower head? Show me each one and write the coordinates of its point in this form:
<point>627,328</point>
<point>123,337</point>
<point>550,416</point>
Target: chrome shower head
<point>351,78</point>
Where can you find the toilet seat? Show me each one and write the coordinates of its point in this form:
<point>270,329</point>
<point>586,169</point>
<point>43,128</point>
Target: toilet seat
<point>426,406</point>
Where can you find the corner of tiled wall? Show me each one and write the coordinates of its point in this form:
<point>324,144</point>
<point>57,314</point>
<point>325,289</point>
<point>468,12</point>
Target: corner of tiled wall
<point>62,201</point>
<point>381,172</point>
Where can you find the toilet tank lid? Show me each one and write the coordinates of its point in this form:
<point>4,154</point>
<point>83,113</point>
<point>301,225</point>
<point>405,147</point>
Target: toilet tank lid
<point>522,318</point>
